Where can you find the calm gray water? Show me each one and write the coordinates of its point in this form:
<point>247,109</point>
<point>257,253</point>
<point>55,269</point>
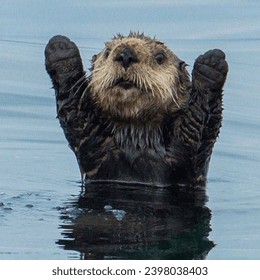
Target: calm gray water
<point>44,213</point>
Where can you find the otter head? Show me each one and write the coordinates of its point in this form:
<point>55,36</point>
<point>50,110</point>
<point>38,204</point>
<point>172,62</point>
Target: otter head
<point>138,77</point>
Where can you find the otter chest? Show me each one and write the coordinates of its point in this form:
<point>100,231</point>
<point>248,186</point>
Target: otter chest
<point>128,154</point>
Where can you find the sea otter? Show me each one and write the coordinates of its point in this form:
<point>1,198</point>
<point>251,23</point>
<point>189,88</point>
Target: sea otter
<point>137,118</point>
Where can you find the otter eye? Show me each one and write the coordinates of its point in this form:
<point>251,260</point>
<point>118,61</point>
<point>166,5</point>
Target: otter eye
<point>107,52</point>
<point>160,58</point>
<point>182,65</point>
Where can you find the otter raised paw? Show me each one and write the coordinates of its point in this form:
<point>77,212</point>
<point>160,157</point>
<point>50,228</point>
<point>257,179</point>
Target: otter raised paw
<point>137,118</point>
<point>63,63</point>
<point>210,71</point>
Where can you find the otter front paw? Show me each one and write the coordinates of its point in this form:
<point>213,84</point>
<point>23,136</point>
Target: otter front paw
<point>62,56</point>
<point>210,71</point>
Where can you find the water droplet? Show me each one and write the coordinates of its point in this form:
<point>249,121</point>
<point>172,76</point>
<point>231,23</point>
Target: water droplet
<point>108,207</point>
<point>119,214</point>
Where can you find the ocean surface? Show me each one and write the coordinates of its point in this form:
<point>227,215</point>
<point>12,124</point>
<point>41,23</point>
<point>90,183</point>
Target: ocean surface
<point>44,211</point>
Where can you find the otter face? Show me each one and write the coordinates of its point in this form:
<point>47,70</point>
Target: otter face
<point>137,76</point>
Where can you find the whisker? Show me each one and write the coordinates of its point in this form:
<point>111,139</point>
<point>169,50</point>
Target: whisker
<point>82,98</point>
<point>78,81</point>
<point>83,82</point>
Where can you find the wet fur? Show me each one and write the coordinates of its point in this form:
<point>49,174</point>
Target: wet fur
<point>161,131</point>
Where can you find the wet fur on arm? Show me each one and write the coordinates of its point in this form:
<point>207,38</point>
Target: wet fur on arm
<point>64,65</point>
<point>199,123</point>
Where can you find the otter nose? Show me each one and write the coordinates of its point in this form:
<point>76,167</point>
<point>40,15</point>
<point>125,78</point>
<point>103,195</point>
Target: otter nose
<point>126,57</point>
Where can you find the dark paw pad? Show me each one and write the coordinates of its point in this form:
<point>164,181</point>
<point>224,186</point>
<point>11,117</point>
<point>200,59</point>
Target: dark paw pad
<point>61,55</point>
<point>210,71</point>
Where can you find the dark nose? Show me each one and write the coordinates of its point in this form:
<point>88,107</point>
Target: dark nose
<point>126,57</point>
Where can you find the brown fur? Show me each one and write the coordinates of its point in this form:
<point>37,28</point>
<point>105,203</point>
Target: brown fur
<point>159,88</point>
<point>137,117</point>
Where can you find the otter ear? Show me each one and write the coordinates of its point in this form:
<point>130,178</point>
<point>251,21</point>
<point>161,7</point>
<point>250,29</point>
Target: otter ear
<point>182,65</point>
<point>94,57</point>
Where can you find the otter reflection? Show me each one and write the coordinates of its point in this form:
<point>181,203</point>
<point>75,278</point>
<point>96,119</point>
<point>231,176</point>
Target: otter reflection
<point>137,222</point>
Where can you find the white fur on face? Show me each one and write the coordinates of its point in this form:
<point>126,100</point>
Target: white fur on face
<point>155,85</point>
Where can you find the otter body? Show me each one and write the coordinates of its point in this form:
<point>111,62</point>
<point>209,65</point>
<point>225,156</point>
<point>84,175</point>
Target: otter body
<point>137,118</point>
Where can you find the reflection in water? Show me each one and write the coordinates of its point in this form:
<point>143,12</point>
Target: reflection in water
<point>137,222</point>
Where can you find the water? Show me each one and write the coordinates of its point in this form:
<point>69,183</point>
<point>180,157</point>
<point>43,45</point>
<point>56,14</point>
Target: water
<point>44,213</point>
